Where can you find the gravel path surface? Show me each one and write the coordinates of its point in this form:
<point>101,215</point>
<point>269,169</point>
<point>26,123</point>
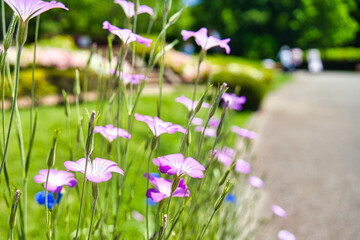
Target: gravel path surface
<point>309,150</point>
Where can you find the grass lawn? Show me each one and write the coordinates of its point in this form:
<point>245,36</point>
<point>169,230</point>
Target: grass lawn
<point>50,118</point>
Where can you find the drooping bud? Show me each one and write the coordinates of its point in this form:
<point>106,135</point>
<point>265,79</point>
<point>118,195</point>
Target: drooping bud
<point>90,137</point>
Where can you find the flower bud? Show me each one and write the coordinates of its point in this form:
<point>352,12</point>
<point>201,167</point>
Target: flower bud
<point>77,89</point>
<point>52,153</point>
<point>201,101</point>
<point>12,219</point>
<point>175,183</point>
<point>90,138</point>
<point>10,32</point>
<point>67,104</point>
<point>220,200</point>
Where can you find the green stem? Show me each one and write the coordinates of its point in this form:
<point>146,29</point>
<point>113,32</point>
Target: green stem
<point>92,217</point>
<point>33,75</point>
<point>147,188</point>
<point>82,196</point>
<point>14,104</point>
<point>206,227</point>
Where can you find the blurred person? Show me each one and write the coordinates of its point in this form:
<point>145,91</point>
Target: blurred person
<point>314,61</point>
<point>286,58</point>
<point>297,55</point>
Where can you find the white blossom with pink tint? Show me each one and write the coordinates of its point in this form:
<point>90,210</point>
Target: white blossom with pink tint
<point>256,182</point>
<point>279,211</point>
<point>129,8</point>
<point>286,235</point>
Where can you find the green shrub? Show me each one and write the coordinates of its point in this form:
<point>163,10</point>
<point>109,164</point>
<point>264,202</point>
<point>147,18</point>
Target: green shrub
<point>341,54</point>
<point>254,90</point>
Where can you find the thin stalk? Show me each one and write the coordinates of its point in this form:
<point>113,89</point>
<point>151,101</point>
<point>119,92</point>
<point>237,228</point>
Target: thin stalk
<point>162,60</point>
<point>33,75</point>
<point>206,227</point>
<point>147,188</point>
<point>46,201</point>
<point>14,103</point>
<point>82,196</point>
<point>3,19</point>
<point>200,59</point>
<point>92,217</point>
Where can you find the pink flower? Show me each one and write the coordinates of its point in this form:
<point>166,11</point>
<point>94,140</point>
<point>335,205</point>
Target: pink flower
<point>57,179</point>
<point>110,132</point>
<point>28,9</point>
<point>242,132</point>
<point>209,132</point>
<point>286,235</point>
<point>279,211</point>
<point>98,171</point>
<point>129,8</point>
<point>177,164</point>
<point>126,35</point>
<point>163,189</point>
<point>189,103</point>
<point>242,166</point>
<point>205,42</point>
<point>225,155</point>
<point>197,121</point>
<point>256,182</point>
<point>234,101</point>
<point>158,126</point>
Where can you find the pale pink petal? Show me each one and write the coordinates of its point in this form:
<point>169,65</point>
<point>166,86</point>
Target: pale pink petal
<point>286,235</point>
<point>242,166</point>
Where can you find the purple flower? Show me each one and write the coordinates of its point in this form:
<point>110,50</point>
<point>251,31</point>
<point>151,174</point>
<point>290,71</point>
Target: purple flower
<point>209,132</point>
<point>279,211</point>
<point>134,79</point>
<point>129,8</point>
<point>110,132</point>
<point>158,126</point>
<point>28,9</point>
<point>205,42</point>
<point>242,132</point>
<point>126,35</point>
<point>98,171</point>
<point>286,235</point>
<point>57,179</point>
<point>234,101</point>
<point>177,164</point>
<point>225,155</point>
<point>189,103</point>
<point>197,121</point>
<point>256,182</point>
<point>163,189</point>
<point>214,122</point>
<point>242,166</point>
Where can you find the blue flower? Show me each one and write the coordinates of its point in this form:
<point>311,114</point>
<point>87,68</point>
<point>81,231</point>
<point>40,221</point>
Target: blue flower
<point>40,199</point>
<point>230,198</point>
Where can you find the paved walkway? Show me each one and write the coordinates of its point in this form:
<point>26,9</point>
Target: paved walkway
<point>309,149</point>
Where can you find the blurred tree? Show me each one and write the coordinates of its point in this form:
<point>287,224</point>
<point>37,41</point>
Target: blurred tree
<point>259,27</point>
